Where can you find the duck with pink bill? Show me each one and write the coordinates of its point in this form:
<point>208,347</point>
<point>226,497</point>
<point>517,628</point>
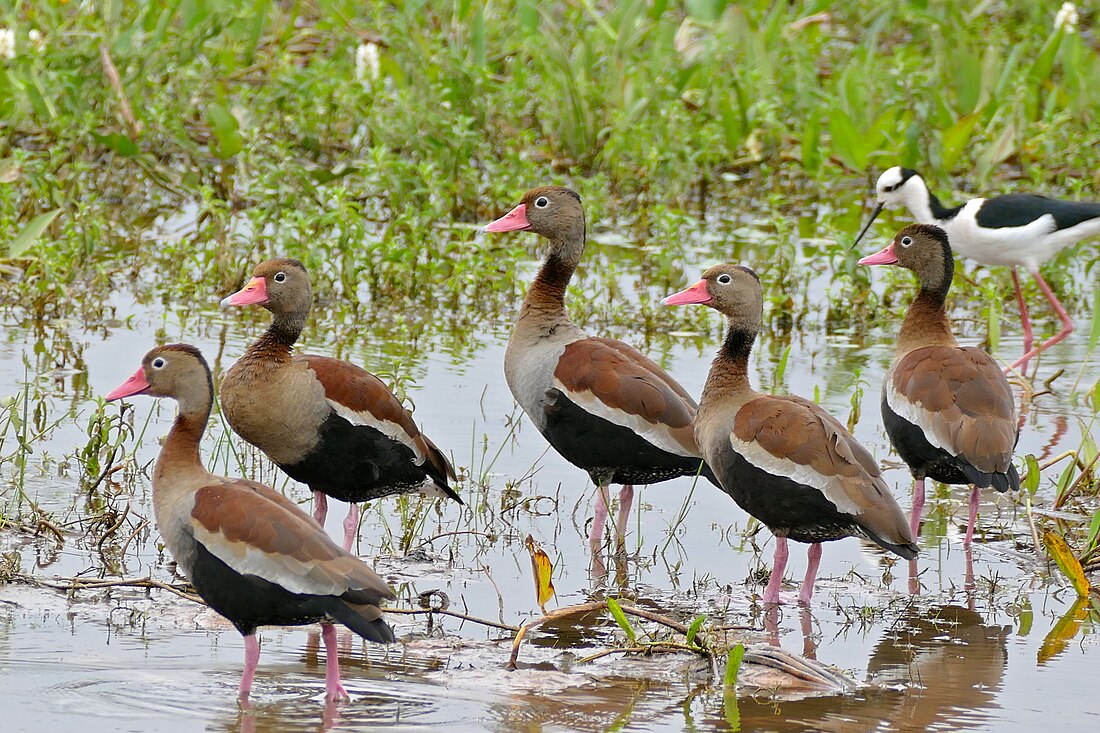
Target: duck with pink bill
<point>948,409</point>
<point>602,404</point>
<point>325,422</point>
<point>1013,230</point>
<point>783,459</point>
<point>251,553</point>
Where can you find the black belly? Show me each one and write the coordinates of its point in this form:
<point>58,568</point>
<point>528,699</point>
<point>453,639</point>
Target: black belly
<point>357,463</point>
<point>609,452</point>
<point>249,601</point>
<point>927,461</point>
<point>788,508</point>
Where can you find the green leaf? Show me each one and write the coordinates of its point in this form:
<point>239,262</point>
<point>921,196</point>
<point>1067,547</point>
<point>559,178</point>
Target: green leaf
<point>227,140</point>
<point>781,369</point>
<point>706,10</point>
<point>849,143</point>
<point>697,624</point>
<point>118,143</point>
<point>620,619</point>
<point>955,138</point>
<point>729,692</point>
<point>993,323</point>
<point>1064,482</point>
<point>1044,63</point>
<point>26,238</point>
<point>1094,533</point>
<point>1031,480</point>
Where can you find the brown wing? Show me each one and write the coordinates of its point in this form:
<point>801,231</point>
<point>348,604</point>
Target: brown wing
<point>255,533</point>
<point>793,437</point>
<point>362,393</point>
<point>962,401</point>
<point>618,383</point>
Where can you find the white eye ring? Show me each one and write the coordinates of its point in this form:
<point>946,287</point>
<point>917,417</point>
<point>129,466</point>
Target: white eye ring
<point>724,279</point>
<point>280,277</point>
<point>906,241</point>
<point>158,363</point>
<point>542,202</point>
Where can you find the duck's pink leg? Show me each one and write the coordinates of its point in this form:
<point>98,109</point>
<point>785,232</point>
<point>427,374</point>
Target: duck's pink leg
<point>626,500</point>
<point>251,659</point>
<point>973,516</point>
<point>599,519</point>
<point>334,691</point>
<point>917,509</point>
<point>351,526</point>
<point>1067,322</point>
<point>813,555</point>
<point>320,507</point>
<point>779,562</point>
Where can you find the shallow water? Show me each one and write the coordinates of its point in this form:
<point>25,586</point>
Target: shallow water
<point>976,655</point>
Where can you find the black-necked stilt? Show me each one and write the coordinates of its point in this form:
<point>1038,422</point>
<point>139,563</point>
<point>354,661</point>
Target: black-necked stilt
<point>948,409</point>
<point>1013,230</point>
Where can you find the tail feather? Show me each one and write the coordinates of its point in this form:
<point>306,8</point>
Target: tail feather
<point>908,551</point>
<point>439,470</point>
<point>365,620</point>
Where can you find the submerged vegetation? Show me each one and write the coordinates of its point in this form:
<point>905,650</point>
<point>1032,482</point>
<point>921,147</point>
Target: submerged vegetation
<point>152,153</point>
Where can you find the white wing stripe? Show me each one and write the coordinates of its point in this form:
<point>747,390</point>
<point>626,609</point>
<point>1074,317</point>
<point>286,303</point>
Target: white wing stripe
<point>390,429</point>
<point>829,486</point>
<point>654,433</point>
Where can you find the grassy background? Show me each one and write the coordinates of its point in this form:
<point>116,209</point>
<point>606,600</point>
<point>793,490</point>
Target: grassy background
<point>251,117</point>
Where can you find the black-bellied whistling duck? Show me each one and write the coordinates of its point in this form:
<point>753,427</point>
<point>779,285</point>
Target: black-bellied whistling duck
<point>784,460</point>
<point>327,423</point>
<point>1016,230</point>
<point>603,405</point>
<point>948,409</point>
<point>250,552</point>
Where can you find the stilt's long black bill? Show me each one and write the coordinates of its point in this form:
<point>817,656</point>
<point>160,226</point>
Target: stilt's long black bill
<point>875,213</point>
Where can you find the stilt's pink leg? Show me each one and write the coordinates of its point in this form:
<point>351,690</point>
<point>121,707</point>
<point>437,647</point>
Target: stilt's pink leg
<point>771,593</point>
<point>251,659</point>
<point>973,516</point>
<point>1067,322</point>
<point>599,519</point>
<point>626,500</point>
<point>916,512</point>
<point>813,555</point>
<point>320,507</point>
<point>914,581</point>
<point>351,526</point>
<point>334,691</point>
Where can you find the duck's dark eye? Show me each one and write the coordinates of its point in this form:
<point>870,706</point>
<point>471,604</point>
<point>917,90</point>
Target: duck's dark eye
<point>724,279</point>
<point>158,363</point>
<point>542,202</point>
<point>906,241</point>
<point>280,277</point>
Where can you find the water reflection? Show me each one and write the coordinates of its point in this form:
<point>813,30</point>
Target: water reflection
<point>947,663</point>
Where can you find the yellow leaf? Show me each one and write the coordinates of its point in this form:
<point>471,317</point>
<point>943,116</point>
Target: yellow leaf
<point>1063,631</point>
<point>542,570</point>
<point>1067,562</point>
